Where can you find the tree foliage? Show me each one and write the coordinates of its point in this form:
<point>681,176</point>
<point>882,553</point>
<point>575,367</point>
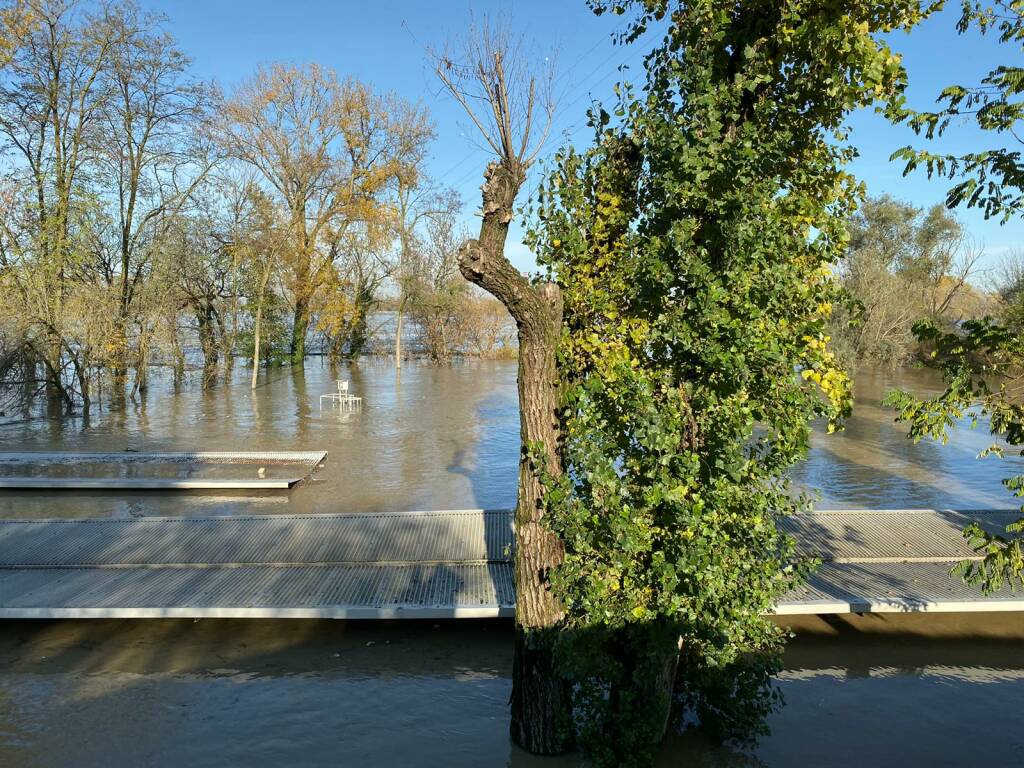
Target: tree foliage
<point>15,21</point>
<point>98,125</point>
<point>144,220</point>
<point>991,178</point>
<point>692,244</point>
<point>327,149</point>
<point>982,368</point>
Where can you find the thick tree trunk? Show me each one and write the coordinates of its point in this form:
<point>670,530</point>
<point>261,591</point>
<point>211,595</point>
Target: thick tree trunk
<point>541,698</point>
<point>640,704</point>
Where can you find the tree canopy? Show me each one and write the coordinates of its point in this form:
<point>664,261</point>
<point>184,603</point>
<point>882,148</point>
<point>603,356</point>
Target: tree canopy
<point>904,264</point>
<point>990,178</point>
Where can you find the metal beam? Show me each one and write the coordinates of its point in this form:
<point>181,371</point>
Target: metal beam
<point>182,457</point>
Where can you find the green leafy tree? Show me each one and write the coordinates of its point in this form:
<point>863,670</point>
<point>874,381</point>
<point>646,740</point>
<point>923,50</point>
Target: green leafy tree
<point>691,245</point>
<point>982,362</point>
<point>983,369</point>
<point>991,179</point>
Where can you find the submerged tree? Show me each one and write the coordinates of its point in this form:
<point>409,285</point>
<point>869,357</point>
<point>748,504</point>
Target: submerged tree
<point>903,264</point>
<point>436,291</point>
<point>491,77</point>
<point>692,248</point>
<point>99,125</point>
<point>52,97</point>
<point>151,156</point>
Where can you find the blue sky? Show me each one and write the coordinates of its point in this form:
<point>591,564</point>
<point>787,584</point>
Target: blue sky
<point>384,43</point>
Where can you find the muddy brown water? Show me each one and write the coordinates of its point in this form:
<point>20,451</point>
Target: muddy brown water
<point>873,691</point>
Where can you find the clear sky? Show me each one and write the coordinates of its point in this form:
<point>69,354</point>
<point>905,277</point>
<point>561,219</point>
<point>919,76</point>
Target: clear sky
<point>383,42</point>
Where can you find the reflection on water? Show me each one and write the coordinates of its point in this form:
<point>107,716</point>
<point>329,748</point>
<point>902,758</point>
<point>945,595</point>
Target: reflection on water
<point>298,693</point>
<point>434,438</point>
<point>447,438</point>
<point>301,693</point>
<point>872,464</point>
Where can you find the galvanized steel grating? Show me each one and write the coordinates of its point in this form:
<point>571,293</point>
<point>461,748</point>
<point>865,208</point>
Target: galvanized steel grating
<point>466,536</point>
<point>329,591</point>
<point>892,588</point>
<point>424,564</point>
<point>897,535</point>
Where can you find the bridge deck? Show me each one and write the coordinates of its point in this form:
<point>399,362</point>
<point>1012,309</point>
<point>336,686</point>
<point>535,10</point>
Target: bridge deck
<point>423,565</point>
<point>145,484</point>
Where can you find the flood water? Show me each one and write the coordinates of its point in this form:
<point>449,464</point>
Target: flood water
<point>263,693</point>
<point>446,437</point>
<point>303,693</point>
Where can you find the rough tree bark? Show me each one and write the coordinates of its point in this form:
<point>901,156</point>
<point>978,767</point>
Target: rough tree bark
<point>541,698</point>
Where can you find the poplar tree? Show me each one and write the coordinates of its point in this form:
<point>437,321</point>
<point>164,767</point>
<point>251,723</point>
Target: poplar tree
<point>691,246</point>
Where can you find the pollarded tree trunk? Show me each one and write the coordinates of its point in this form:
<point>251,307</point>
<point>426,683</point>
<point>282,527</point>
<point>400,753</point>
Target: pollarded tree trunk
<point>541,697</point>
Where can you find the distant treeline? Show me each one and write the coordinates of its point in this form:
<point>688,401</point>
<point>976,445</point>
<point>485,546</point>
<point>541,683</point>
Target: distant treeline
<point>905,265</point>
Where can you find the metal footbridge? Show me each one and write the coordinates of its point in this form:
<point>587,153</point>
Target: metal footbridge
<point>451,564</point>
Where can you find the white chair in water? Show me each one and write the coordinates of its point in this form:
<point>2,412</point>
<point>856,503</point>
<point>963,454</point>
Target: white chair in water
<point>345,401</point>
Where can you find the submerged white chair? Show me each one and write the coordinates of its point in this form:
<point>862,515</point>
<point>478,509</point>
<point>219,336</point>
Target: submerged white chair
<point>345,401</point>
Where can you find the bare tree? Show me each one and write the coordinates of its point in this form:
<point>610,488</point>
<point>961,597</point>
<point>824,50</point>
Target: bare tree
<point>260,247</point>
<point>509,102</point>
<point>435,290</point>
<point>50,102</point>
<point>150,150</point>
<point>417,203</point>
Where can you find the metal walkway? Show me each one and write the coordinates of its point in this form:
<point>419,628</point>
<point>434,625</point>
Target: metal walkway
<point>452,564</point>
<point>103,471</point>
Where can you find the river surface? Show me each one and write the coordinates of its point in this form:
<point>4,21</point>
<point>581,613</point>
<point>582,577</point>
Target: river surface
<point>302,693</point>
<point>446,437</point>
